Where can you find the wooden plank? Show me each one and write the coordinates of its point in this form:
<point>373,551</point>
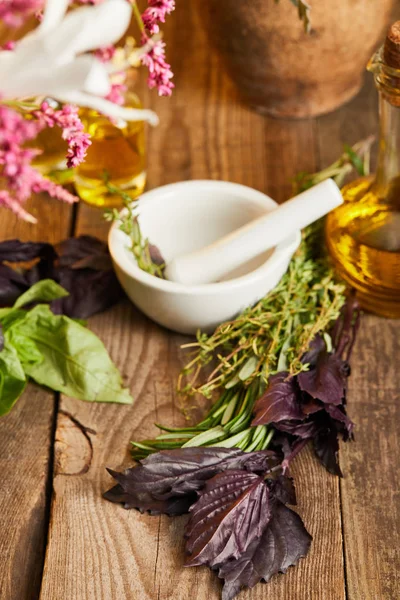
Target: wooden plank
<point>25,444</point>
<point>369,490</point>
<point>96,549</point>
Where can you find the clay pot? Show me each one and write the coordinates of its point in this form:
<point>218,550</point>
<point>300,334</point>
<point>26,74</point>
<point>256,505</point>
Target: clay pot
<point>281,70</point>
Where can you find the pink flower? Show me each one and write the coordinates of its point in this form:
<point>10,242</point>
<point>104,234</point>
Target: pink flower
<point>14,12</point>
<point>117,93</point>
<point>105,54</point>
<point>8,46</point>
<point>160,73</point>
<point>72,130</point>
<point>16,172</point>
<point>156,13</point>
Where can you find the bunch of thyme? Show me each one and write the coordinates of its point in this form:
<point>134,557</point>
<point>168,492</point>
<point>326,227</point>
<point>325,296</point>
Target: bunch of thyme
<point>273,335</point>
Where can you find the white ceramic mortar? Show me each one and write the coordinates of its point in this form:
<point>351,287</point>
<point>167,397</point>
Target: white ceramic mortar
<point>183,217</point>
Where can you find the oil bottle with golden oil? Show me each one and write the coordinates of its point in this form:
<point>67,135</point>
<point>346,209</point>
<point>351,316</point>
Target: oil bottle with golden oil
<point>51,159</point>
<point>363,235</point>
<point>116,158</point>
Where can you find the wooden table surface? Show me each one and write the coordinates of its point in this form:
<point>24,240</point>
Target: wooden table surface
<point>59,540</point>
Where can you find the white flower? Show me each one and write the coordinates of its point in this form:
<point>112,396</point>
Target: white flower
<point>54,59</point>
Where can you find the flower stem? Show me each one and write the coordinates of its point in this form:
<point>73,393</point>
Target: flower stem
<point>138,17</point>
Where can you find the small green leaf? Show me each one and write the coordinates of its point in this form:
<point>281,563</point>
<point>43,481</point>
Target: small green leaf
<point>232,382</point>
<point>12,379</point>
<point>226,417</point>
<point>42,291</point>
<point>207,437</point>
<point>355,160</point>
<point>248,368</point>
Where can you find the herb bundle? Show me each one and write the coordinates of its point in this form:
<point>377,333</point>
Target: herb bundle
<point>278,378</point>
<point>234,488</point>
<point>53,350</point>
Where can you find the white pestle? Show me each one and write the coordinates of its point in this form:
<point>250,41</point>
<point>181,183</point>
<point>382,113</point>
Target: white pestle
<point>211,263</point>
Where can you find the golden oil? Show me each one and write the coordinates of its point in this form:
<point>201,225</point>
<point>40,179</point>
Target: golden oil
<point>363,235</point>
<point>116,157</point>
<point>53,150</point>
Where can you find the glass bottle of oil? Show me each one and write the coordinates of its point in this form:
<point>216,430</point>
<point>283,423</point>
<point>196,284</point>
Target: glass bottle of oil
<point>363,235</point>
<point>51,160</point>
<point>116,157</point>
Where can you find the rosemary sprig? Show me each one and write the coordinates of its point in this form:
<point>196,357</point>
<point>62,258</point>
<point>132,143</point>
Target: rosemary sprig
<point>226,425</point>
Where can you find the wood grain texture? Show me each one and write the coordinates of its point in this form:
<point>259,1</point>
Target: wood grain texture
<point>96,549</point>
<point>25,443</point>
<point>370,489</point>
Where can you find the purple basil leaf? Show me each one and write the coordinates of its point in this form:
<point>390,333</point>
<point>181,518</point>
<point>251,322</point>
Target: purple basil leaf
<point>317,347</point>
<point>90,291</point>
<point>345,329</point>
<point>174,506</point>
<point>83,252</point>
<point>12,285</point>
<point>176,473</point>
<point>338,413</point>
<point>232,512</point>
<point>302,429</point>
<point>14,251</point>
<point>283,543</point>
<point>284,490</point>
<point>309,406</point>
<point>281,401</point>
<point>326,446</point>
<point>156,256</point>
<point>327,380</point>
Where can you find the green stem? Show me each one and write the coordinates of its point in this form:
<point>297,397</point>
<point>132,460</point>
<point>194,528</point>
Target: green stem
<point>138,16</point>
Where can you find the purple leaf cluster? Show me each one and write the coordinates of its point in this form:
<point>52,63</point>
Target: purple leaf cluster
<point>167,482</point>
<point>81,265</point>
<point>312,405</point>
<point>239,523</point>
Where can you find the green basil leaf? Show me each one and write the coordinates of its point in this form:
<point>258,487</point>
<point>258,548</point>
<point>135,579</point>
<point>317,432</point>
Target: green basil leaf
<point>9,316</point>
<point>75,362</point>
<point>12,379</point>
<point>42,291</point>
<point>26,348</point>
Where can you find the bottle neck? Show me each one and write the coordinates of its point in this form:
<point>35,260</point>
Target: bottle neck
<point>389,143</point>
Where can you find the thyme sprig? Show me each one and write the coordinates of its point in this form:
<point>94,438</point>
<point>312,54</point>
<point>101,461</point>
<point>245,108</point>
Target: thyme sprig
<point>357,157</point>
<point>146,255</point>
